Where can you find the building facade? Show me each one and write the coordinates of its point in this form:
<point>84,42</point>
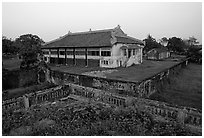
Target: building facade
<point>109,48</point>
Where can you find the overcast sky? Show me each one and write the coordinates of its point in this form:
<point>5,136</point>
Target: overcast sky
<point>52,20</point>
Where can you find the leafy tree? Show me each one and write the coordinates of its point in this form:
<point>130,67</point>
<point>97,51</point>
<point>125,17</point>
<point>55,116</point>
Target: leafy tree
<point>8,46</point>
<point>30,47</point>
<point>195,54</point>
<point>151,43</point>
<point>176,45</point>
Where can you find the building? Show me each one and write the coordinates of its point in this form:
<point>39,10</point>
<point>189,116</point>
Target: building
<point>109,48</point>
<point>158,53</point>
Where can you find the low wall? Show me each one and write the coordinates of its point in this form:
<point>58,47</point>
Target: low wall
<point>180,114</point>
<point>142,89</point>
<point>38,97</point>
<point>183,115</point>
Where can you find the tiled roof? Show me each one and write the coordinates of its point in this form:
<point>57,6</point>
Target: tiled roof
<point>84,39</point>
<point>128,40</point>
<point>99,38</point>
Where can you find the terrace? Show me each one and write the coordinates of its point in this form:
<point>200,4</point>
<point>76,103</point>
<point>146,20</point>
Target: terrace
<point>133,73</point>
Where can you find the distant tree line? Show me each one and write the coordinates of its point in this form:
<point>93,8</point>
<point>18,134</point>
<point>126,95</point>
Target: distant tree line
<point>188,47</point>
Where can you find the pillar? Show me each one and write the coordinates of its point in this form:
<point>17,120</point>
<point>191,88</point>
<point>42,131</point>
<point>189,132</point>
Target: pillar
<point>86,57</point>
<point>26,101</point>
<point>58,55</point>
<point>74,58</point>
<point>65,56</point>
<point>181,117</point>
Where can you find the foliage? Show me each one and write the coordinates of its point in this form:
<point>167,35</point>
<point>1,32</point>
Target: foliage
<point>30,47</point>
<point>8,46</point>
<point>84,119</point>
<point>151,43</point>
<point>195,54</point>
<point>176,45</point>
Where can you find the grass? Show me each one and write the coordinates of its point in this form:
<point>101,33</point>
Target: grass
<point>184,89</point>
<point>13,63</point>
<point>142,71</point>
<point>133,73</point>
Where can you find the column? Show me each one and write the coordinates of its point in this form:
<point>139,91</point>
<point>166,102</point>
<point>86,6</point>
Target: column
<point>86,58</point>
<point>58,55</point>
<point>26,101</point>
<point>65,56</point>
<point>74,59</point>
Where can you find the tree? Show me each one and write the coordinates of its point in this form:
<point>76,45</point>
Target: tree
<point>176,45</point>
<point>7,46</point>
<point>30,47</point>
<point>151,43</point>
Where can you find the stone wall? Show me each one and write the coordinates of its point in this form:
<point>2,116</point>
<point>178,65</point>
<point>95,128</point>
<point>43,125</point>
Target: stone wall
<point>38,97</point>
<point>142,89</point>
<point>13,104</point>
<point>179,114</point>
<point>182,115</point>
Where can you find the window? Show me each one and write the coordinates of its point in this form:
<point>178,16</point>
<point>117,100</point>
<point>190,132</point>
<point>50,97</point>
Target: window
<point>105,62</point>
<point>53,52</point>
<point>105,53</point>
<point>93,53</point>
<point>46,52</point>
<point>62,52</point>
<point>70,52</point>
<point>79,52</point>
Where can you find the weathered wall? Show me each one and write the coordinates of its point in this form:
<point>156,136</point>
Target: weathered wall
<point>141,89</point>
<point>179,114</point>
<point>183,115</point>
<point>113,92</point>
<point>38,97</point>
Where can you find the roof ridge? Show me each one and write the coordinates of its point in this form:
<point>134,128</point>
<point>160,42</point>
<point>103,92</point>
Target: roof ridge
<point>95,31</point>
<point>77,33</point>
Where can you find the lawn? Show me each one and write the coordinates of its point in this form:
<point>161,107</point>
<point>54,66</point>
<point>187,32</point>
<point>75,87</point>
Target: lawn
<point>142,71</point>
<point>133,73</point>
<point>184,89</point>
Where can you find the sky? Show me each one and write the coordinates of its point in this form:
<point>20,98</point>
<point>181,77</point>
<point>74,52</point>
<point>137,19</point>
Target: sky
<point>52,20</point>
